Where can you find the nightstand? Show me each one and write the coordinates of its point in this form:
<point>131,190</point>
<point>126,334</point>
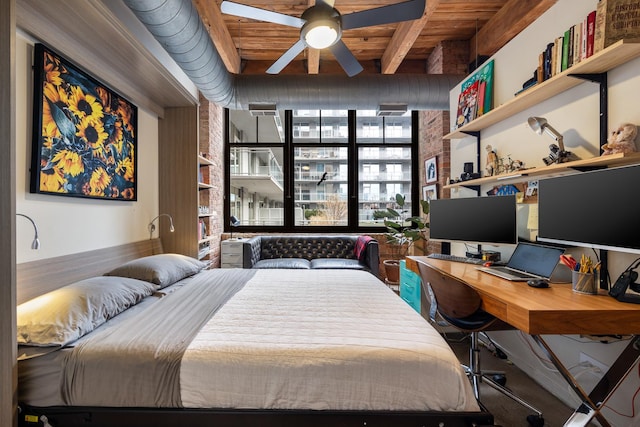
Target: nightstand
<point>232,253</point>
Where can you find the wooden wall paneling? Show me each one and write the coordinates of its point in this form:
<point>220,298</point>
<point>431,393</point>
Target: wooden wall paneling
<point>8,346</point>
<point>178,170</point>
<point>41,276</point>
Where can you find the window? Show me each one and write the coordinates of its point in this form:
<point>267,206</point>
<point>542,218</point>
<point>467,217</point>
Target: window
<point>325,170</point>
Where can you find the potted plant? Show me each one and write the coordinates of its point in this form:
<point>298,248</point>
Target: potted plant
<point>402,234</point>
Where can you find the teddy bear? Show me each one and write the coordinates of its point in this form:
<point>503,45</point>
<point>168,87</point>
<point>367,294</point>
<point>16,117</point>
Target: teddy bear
<point>621,140</point>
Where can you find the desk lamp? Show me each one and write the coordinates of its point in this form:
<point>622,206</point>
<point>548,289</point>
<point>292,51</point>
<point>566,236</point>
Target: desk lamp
<point>234,223</point>
<point>557,152</point>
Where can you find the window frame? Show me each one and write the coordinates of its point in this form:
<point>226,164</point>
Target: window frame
<point>288,147</point>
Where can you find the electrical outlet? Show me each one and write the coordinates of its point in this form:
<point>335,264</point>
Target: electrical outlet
<point>588,359</point>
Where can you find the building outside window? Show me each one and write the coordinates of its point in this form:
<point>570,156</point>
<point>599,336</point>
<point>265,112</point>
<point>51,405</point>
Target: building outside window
<point>317,169</point>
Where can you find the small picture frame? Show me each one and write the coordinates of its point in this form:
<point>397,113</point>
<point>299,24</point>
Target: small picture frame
<point>431,170</point>
<point>430,192</point>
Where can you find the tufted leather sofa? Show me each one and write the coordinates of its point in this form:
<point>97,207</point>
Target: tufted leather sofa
<point>310,251</point>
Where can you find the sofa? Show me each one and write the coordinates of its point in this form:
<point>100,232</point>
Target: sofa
<point>312,252</point>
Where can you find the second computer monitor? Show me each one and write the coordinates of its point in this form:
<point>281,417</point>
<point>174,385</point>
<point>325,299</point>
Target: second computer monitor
<point>491,219</point>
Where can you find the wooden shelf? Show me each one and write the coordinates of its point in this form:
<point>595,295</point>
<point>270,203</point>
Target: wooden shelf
<point>203,161</point>
<point>206,215</point>
<point>202,185</point>
<point>206,239</point>
<point>603,61</point>
<point>556,169</point>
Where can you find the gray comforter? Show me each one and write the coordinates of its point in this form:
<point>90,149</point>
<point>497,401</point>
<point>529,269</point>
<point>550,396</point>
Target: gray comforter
<point>159,335</point>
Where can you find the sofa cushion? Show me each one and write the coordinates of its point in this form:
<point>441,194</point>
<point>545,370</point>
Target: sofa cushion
<point>337,263</point>
<point>296,263</point>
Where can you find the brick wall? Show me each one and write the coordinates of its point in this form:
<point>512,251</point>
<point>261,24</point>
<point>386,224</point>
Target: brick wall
<point>212,143</point>
<point>449,57</point>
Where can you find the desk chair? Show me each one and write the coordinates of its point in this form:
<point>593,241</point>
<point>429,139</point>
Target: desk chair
<point>459,305</point>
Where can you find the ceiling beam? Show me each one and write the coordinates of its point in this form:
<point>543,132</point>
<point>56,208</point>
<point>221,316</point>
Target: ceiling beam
<point>512,18</point>
<point>403,38</point>
<point>211,17</point>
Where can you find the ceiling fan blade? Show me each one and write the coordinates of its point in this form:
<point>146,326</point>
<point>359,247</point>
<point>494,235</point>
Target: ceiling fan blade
<point>345,58</point>
<point>329,3</point>
<point>287,57</point>
<point>384,15</point>
<point>237,9</point>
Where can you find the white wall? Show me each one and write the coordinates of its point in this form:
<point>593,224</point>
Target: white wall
<point>574,113</point>
<point>70,225</point>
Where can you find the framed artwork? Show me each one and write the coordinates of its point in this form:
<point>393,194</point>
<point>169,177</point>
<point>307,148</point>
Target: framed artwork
<point>431,170</point>
<point>84,134</point>
<point>430,192</point>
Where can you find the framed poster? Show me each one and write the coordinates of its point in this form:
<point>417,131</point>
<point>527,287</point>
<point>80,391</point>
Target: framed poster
<point>84,134</point>
<point>430,192</point>
<point>431,170</point>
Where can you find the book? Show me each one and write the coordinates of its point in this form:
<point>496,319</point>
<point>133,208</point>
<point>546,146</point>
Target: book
<point>583,39</point>
<point>616,20</point>
<point>558,55</point>
<point>570,42</point>
<point>478,86</point>
<point>591,23</point>
<point>539,70</point>
<point>577,43</point>
<point>482,87</point>
<point>565,49</point>
<point>468,104</point>
<point>547,61</point>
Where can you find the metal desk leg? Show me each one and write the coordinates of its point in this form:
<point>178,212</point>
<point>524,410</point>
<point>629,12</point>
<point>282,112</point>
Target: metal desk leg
<point>592,403</point>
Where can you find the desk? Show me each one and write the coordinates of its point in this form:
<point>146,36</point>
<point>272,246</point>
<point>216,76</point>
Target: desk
<point>555,310</point>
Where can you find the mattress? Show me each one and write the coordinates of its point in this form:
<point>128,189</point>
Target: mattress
<point>285,339</point>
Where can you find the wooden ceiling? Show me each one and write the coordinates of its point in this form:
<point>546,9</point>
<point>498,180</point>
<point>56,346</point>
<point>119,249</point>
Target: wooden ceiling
<point>250,47</point>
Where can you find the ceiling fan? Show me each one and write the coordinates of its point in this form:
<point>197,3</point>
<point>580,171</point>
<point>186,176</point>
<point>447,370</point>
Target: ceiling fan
<point>321,27</point>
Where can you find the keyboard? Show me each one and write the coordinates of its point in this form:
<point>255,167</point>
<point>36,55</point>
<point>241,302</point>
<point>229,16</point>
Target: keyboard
<point>455,258</point>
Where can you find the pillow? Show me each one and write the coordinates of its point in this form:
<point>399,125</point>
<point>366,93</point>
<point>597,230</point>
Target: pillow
<point>162,270</point>
<point>68,313</point>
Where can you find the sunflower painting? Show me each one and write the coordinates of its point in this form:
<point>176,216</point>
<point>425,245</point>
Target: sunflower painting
<point>84,137</point>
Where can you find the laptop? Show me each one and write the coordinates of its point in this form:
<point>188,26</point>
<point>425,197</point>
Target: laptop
<point>529,261</point>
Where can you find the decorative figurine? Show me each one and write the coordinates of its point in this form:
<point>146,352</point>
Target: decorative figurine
<point>492,161</point>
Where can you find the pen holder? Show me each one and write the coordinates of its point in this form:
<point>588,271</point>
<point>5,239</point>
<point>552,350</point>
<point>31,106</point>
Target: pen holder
<point>584,283</point>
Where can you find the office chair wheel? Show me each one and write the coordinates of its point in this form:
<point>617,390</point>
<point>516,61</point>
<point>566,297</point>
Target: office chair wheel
<point>535,420</point>
<point>500,379</point>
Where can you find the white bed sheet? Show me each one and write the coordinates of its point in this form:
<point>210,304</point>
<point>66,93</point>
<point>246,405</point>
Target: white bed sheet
<point>330,339</point>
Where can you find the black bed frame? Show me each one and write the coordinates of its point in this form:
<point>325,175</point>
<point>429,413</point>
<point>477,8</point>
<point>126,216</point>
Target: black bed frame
<point>161,417</point>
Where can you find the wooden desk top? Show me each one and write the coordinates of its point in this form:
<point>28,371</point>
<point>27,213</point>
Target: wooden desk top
<point>553,310</point>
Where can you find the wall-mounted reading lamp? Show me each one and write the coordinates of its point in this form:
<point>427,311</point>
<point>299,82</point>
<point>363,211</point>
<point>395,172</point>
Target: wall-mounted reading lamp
<point>557,152</point>
<point>35,245</point>
<point>234,223</point>
<point>152,226</point>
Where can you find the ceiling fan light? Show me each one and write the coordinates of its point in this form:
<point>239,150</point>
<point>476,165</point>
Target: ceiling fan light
<point>320,34</point>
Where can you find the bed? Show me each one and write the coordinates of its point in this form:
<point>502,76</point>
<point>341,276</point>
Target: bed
<point>164,341</point>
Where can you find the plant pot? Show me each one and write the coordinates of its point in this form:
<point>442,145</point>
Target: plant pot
<point>392,270</point>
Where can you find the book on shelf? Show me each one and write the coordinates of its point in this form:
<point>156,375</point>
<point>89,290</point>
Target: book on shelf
<point>616,20</point>
<point>577,43</point>
<point>476,95</point>
<point>565,50</point>
<point>591,24</point>
<point>583,39</point>
<point>570,43</point>
<point>557,49</point>
<point>574,45</point>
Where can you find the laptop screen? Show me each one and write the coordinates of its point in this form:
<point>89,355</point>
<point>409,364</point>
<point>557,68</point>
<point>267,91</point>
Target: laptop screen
<point>535,259</point>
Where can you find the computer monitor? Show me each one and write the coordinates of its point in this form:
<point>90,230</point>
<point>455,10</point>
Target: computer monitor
<point>490,220</point>
<point>596,209</point>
